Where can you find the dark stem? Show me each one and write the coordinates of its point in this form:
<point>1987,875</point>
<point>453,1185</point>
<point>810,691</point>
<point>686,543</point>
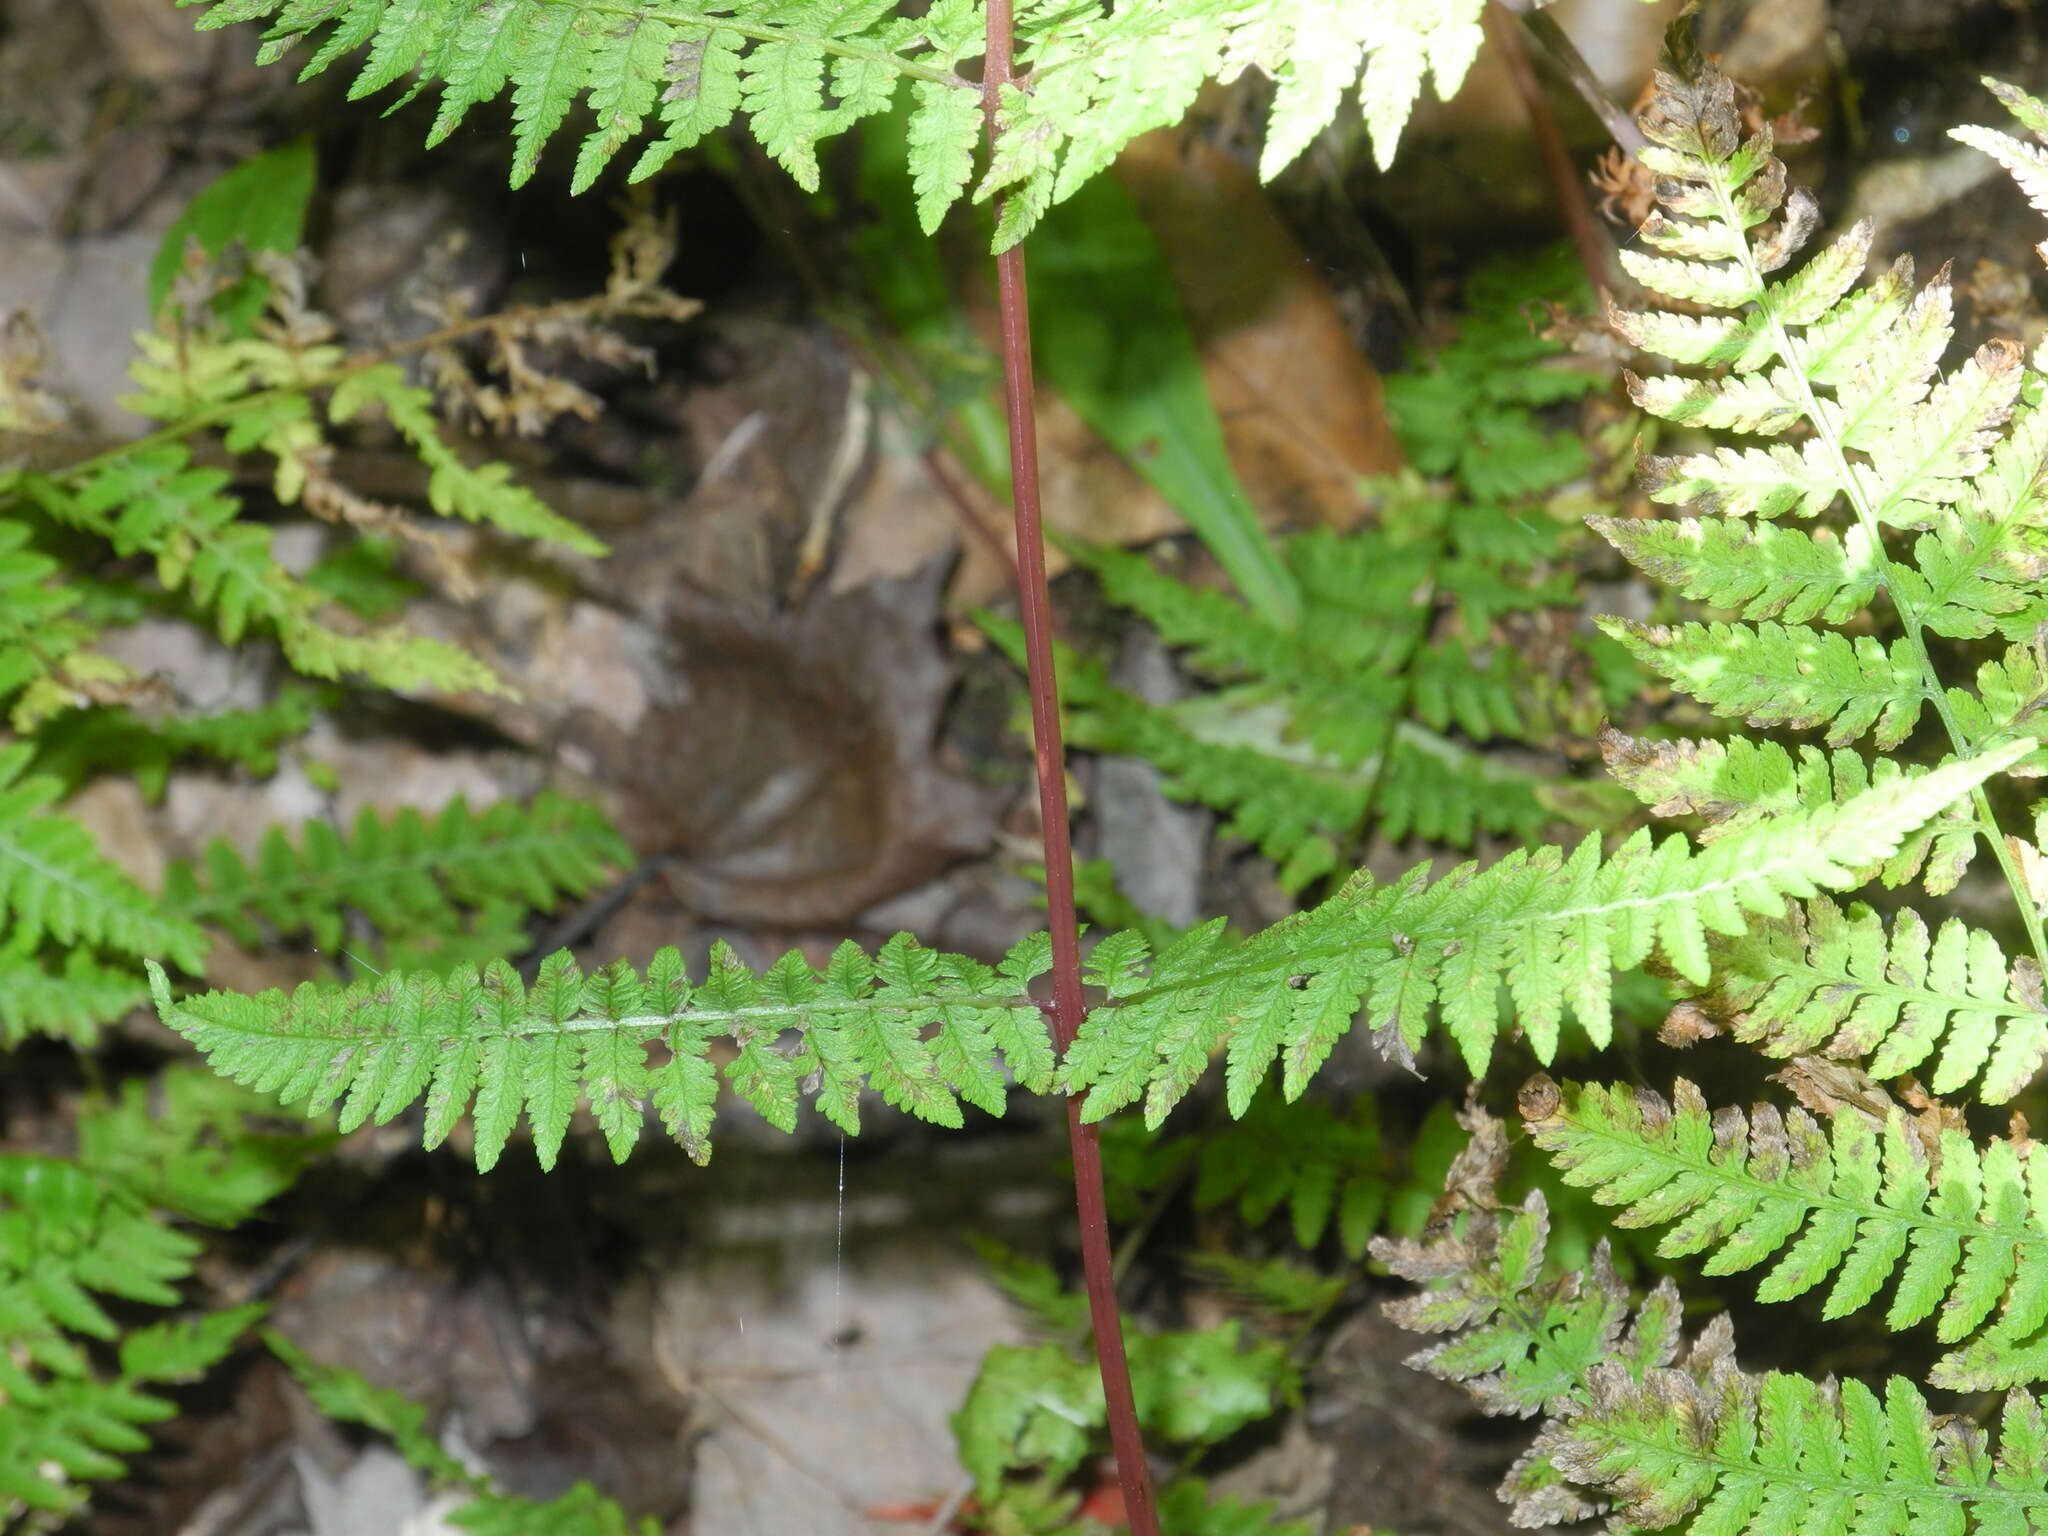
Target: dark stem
<point>1034,603</point>
<point>1564,53</point>
<point>1506,36</point>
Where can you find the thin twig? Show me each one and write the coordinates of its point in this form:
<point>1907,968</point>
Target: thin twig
<point>1068,1009</point>
<point>1564,53</point>
<point>1572,201</point>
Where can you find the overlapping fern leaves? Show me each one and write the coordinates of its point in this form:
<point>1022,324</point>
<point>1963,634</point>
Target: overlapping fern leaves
<point>1938,475</point>
<point>78,927</point>
<point>401,871</point>
<point>1376,708</point>
<point>1662,1431</point>
<point>1098,75</point>
<point>1940,481</point>
<point>1542,930</point>
<point>1936,481</point>
<point>100,1226</point>
<point>1961,1230</point>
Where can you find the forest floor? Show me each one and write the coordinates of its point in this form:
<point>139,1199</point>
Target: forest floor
<point>780,698</point>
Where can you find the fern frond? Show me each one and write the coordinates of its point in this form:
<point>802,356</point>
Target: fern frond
<point>379,1046</point>
<point>1322,1167</point>
<point>1544,928</point>
<point>1099,76</point>
<point>1963,1230</point>
<point>88,741</point>
<point>1737,783</point>
<point>1547,929</point>
<point>74,1232</point>
<point>1856,366</point>
<point>1660,1432</point>
<point>46,665</point>
<point>1848,984</point>
<point>71,1000</point>
<point>1287,799</point>
<point>406,873</point>
<point>55,882</point>
<point>1783,1454</point>
<point>455,488</point>
<point>152,500</point>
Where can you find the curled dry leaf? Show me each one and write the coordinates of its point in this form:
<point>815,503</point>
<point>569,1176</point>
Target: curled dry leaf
<point>791,779</point>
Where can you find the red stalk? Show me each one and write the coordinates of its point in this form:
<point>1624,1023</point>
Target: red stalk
<point>1068,1008</point>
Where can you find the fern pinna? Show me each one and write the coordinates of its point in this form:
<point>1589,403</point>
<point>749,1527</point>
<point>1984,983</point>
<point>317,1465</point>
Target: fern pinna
<point>1099,75</point>
<point>1660,1430</point>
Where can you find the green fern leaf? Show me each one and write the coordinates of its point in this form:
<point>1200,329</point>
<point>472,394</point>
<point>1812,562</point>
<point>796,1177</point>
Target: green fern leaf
<point>1958,1227</point>
<point>44,664</point>
<point>71,1002</point>
<point>1099,75</point>
<point>1738,783</point>
<point>1775,674</point>
<point>1657,1431</point>
<point>1543,928</point>
<point>942,135</point>
<point>151,500</point>
<point>1747,482</point>
<point>477,494</point>
<point>74,1232</point>
<point>1837,981</point>
<point>54,881</point>
<point>625,84</point>
<point>1707,1444</point>
<point>478,62</point>
<point>552,68</point>
<point>380,1045</point>
<point>1764,572</point>
<point>704,95</point>
<point>411,31</point>
<point>407,874</point>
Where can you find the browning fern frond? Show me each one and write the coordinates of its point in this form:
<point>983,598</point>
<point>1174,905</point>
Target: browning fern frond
<point>1847,983</point>
<point>1737,783</point>
<point>1963,1230</point>
<point>1854,365</point>
<point>1663,1432</point>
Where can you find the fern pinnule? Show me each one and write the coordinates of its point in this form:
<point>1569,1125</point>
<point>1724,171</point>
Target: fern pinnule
<point>381,1045</point>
